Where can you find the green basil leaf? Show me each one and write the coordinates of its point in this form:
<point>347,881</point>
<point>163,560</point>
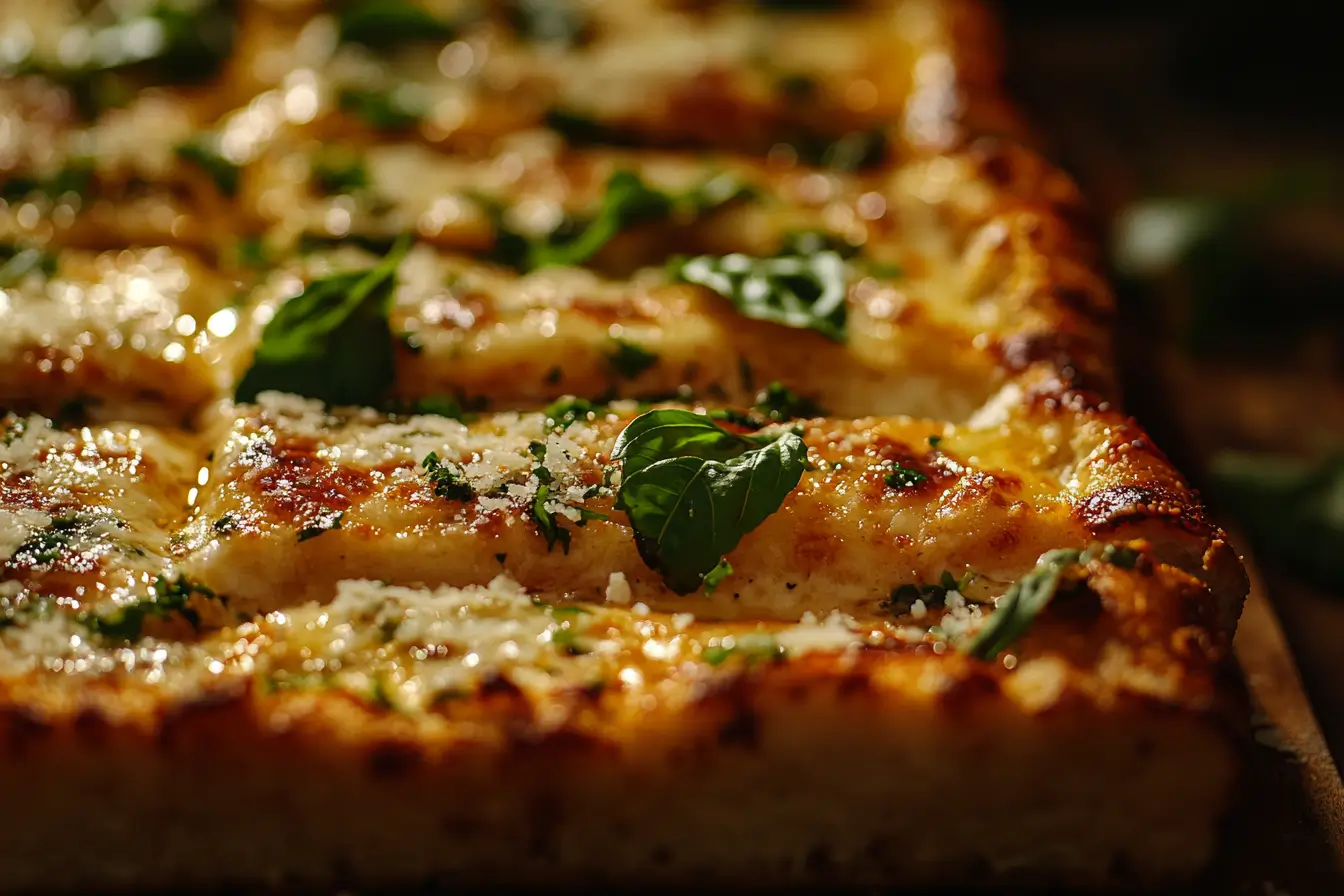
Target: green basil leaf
<point>803,291</point>
<point>673,432</point>
<point>383,24</point>
<point>332,341</point>
<point>1021,604</point>
<point>693,490</point>
<point>904,477</point>
<point>626,202</point>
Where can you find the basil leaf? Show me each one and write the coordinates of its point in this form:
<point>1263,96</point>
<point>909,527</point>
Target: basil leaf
<point>199,152</point>
<point>1292,509</point>
<point>673,432</point>
<point>803,291</point>
<point>693,490</point>
<point>626,202</point>
<point>383,24</point>
<point>1021,604</point>
<point>332,341</point>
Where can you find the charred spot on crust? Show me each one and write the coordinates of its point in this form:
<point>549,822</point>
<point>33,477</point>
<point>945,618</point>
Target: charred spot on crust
<point>1118,505</point>
<point>299,486</point>
<point>1019,351</point>
<point>394,759</point>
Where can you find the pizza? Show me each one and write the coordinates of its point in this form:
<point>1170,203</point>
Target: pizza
<point>623,443</point>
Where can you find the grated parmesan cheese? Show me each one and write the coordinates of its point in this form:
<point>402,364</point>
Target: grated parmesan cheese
<point>618,589</point>
<point>23,440</point>
<point>16,527</point>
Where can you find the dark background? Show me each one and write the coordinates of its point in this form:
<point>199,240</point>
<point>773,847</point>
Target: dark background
<point>1207,102</point>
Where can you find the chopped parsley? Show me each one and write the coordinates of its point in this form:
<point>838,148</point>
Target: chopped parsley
<point>1026,598</point>
<point>903,597</point>
<point>692,489</point>
<point>332,341</point>
<point>447,478</point>
<point>717,575</point>
<point>630,359</point>
<point>321,524</point>
<point>544,506</point>
<point>751,648</point>
<point>904,477</point>
<point>62,535</point>
<point>170,598</point>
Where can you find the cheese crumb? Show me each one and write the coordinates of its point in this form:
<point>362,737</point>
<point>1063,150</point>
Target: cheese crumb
<point>23,440</point>
<point>16,527</point>
<point>618,589</point>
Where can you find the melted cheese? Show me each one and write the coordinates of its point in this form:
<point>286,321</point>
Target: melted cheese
<point>132,333</point>
<point>844,538</point>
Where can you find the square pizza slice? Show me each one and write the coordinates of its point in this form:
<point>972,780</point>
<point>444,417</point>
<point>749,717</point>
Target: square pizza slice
<point>835,81</point>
